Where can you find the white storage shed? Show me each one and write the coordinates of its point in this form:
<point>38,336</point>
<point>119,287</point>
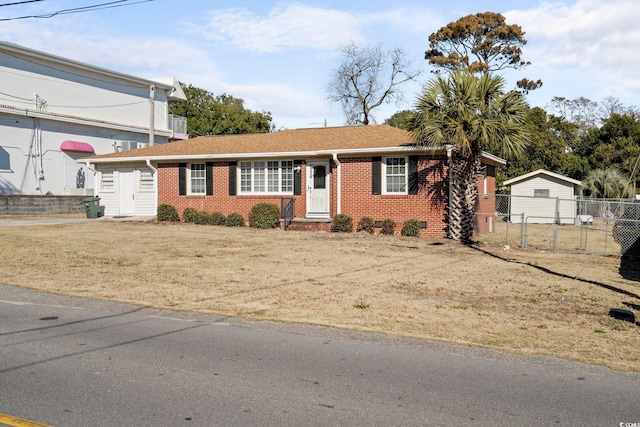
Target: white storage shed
<point>543,197</point>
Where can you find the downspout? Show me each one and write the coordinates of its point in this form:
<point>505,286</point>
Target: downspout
<point>338,183</point>
<point>450,173</point>
<point>154,169</point>
<point>90,167</point>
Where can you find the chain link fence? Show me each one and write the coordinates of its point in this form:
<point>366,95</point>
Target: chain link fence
<point>580,225</point>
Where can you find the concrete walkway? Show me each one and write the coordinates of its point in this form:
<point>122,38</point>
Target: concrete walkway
<point>21,221</point>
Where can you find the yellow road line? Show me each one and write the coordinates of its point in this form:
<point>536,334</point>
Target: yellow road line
<point>19,422</point>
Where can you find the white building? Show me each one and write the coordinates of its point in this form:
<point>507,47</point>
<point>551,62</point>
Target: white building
<point>54,111</point>
<point>543,197</point>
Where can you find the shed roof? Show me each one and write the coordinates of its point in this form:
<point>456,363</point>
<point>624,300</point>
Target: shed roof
<point>293,142</point>
<point>543,172</point>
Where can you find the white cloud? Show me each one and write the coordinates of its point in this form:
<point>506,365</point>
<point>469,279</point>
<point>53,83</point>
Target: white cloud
<point>292,26</point>
<point>598,38</point>
<point>148,57</point>
<point>415,20</point>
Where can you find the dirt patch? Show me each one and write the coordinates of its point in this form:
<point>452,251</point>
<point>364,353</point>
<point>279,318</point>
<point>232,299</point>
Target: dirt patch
<point>519,301</point>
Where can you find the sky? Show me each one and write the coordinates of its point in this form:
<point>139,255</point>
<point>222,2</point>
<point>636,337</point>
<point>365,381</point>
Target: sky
<point>279,56</point>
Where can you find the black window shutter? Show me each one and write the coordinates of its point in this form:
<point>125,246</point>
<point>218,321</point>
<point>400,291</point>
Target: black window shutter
<point>209,178</point>
<point>297,177</point>
<point>182,179</point>
<point>376,175</point>
<point>413,174</point>
<point>233,166</point>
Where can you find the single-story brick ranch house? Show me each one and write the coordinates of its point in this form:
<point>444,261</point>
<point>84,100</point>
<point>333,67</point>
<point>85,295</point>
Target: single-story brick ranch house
<point>376,171</point>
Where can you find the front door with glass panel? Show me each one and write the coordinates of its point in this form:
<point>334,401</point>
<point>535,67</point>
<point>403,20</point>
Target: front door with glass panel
<point>318,190</point>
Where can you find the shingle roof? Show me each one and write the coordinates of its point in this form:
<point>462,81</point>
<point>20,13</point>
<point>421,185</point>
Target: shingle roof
<point>310,141</point>
<point>285,141</point>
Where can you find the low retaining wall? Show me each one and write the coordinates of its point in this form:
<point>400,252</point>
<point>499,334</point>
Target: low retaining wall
<point>16,204</point>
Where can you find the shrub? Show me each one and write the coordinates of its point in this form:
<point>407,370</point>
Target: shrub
<point>234,220</point>
<point>217,218</point>
<point>367,224</point>
<point>189,214</point>
<point>342,224</point>
<point>167,213</point>
<point>202,218</point>
<point>388,227</point>
<point>264,215</point>
<point>411,227</point>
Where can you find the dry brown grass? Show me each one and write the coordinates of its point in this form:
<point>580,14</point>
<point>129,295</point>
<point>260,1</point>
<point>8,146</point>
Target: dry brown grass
<point>518,301</point>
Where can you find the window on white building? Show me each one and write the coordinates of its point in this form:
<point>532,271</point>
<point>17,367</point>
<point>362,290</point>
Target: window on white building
<point>107,181</point>
<point>146,180</point>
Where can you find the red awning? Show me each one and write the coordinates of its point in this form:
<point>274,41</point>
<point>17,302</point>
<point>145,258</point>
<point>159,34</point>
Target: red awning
<point>76,146</point>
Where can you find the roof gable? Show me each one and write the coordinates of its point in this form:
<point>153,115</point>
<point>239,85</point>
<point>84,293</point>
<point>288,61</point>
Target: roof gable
<point>543,172</point>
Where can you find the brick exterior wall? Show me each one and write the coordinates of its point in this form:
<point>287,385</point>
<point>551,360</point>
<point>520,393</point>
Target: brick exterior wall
<point>220,201</point>
<point>430,204</point>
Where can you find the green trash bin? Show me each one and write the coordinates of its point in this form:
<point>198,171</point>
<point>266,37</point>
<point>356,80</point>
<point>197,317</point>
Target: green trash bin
<point>92,207</point>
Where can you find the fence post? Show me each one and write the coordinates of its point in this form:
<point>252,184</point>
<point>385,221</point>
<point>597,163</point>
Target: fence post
<point>586,238</point>
<point>506,237</point>
<point>523,228</point>
<point>555,225</point>
<point>606,234</point>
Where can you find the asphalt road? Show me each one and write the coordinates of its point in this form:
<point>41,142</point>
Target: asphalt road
<point>81,362</point>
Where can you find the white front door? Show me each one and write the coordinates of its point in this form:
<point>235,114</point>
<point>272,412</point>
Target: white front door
<point>126,192</point>
<point>318,190</point>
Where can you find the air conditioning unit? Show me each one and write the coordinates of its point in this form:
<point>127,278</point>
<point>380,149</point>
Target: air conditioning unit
<point>127,145</point>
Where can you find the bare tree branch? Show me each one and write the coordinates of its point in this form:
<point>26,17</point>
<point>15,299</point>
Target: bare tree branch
<point>367,78</point>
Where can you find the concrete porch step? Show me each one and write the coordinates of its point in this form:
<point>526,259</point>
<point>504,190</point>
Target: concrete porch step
<point>309,224</point>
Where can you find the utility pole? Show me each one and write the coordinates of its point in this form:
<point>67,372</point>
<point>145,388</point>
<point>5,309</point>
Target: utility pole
<point>152,111</point>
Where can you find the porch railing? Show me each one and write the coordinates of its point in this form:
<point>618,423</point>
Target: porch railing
<point>287,210</point>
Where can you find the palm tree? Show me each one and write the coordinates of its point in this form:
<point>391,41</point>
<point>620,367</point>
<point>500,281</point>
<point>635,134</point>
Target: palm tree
<point>607,183</point>
<point>469,114</point>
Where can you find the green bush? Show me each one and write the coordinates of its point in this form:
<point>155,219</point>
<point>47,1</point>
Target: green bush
<point>188,215</point>
<point>234,220</point>
<point>217,218</point>
<point>342,224</point>
<point>202,218</point>
<point>367,224</point>
<point>264,215</point>
<point>388,227</point>
<point>167,213</point>
<point>411,227</point>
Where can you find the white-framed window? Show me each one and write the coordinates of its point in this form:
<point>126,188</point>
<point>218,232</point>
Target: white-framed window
<point>107,180</point>
<point>146,180</point>
<point>266,176</point>
<point>395,175</point>
<point>197,178</point>
<point>541,192</point>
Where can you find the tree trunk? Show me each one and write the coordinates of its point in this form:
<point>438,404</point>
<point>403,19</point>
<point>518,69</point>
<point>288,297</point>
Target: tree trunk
<point>464,196</point>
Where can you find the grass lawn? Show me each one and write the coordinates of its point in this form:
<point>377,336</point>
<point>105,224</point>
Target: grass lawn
<point>519,301</point>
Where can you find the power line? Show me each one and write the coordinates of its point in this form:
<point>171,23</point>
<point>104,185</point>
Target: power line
<point>17,97</point>
<point>100,6</point>
<point>20,2</point>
